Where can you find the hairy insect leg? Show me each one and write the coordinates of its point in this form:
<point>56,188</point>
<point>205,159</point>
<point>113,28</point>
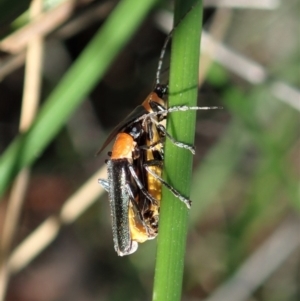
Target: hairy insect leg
<point>176,193</point>
<point>141,186</point>
<point>163,130</point>
<point>176,109</point>
<point>152,145</point>
<point>135,206</point>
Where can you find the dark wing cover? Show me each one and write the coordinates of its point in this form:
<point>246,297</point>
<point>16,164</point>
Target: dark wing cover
<point>137,112</point>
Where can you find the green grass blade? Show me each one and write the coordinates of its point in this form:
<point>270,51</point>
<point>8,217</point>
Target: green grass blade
<point>178,162</point>
<point>74,87</point>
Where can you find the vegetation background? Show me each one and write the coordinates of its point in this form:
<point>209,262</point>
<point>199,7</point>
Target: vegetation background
<point>96,61</point>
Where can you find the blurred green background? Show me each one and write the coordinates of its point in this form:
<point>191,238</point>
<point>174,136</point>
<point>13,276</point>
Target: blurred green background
<point>243,241</point>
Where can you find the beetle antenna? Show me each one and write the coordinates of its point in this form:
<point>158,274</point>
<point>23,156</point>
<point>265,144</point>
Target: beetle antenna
<point>163,50</point>
<point>161,57</point>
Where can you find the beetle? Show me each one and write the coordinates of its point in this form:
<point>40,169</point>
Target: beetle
<point>134,171</point>
<point>135,167</point>
<point>134,211</point>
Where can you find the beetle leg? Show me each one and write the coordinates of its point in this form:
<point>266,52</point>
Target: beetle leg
<point>163,130</point>
<point>152,145</point>
<point>141,186</point>
<point>176,193</point>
